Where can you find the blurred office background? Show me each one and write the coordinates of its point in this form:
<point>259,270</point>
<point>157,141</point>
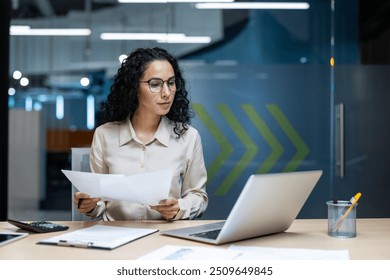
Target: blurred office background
<point>275,89</point>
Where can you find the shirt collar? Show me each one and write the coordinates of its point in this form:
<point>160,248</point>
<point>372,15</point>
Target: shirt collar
<point>163,133</point>
<point>126,132</point>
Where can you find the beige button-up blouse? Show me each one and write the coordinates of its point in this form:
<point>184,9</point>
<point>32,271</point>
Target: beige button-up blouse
<point>115,149</point>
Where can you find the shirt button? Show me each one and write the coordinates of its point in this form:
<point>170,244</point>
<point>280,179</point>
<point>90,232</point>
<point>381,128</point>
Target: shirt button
<point>143,148</point>
<point>142,165</point>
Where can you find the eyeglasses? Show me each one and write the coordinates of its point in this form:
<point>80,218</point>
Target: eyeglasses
<point>156,84</point>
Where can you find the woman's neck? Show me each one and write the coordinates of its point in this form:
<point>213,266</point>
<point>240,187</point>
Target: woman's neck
<point>145,126</point>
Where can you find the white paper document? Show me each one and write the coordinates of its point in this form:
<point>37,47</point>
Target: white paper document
<point>145,188</point>
<point>269,253</point>
<point>173,252</point>
<point>233,252</point>
<point>98,237</point>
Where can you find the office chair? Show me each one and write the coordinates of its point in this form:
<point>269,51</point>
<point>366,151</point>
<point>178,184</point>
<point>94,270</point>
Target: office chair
<point>80,162</point>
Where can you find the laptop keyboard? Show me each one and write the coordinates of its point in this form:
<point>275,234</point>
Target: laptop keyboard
<point>211,234</point>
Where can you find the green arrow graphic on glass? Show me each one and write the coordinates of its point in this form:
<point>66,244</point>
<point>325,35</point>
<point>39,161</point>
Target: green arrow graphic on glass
<point>246,159</point>
<point>285,125</point>
<point>223,143</point>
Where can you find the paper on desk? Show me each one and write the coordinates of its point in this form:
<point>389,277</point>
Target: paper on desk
<point>269,253</point>
<point>145,188</point>
<point>100,236</point>
<point>234,252</point>
<point>172,252</point>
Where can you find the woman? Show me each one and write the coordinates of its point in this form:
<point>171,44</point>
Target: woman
<point>147,129</point>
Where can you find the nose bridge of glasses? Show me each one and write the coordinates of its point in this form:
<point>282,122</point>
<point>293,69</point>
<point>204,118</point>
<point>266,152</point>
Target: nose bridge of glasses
<point>166,83</point>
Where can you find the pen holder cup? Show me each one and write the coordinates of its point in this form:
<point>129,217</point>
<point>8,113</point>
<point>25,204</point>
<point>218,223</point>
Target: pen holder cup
<point>341,219</point>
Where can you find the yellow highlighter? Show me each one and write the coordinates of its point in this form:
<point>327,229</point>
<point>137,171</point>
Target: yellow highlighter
<point>353,201</point>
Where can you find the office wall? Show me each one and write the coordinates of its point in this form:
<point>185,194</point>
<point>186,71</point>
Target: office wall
<point>26,159</point>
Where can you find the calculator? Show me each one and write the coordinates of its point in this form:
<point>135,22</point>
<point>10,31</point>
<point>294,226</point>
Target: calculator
<point>38,226</point>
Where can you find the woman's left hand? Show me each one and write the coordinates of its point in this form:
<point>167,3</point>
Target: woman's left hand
<point>168,208</point>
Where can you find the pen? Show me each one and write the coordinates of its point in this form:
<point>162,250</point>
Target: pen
<point>353,201</point>
<point>78,244</point>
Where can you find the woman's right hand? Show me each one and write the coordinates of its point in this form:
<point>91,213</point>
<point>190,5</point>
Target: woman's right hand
<point>84,203</point>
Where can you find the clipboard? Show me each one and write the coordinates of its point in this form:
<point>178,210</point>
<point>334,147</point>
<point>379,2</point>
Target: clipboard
<point>98,237</point>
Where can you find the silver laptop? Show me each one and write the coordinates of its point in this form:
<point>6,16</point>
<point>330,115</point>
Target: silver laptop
<point>268,204</point>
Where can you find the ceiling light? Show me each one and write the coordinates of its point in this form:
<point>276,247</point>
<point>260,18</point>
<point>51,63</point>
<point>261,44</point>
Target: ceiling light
<point>19,28</point>
<point>173,1</point>
<point>59,107</point>
<point>255,5</point>
<point>27,31</point>
<point>17,75</point>
<point>90,112</point>
<point>122,57</point>
<point>24,82</point>
<point>159,37</point>
<point>11,91</point>
<point>28,104</point>
<point>142,36</point>
<point>145,1</point>
<point>187,40</point>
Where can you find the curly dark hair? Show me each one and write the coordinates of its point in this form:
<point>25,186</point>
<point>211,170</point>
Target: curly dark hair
<point>122,101</point>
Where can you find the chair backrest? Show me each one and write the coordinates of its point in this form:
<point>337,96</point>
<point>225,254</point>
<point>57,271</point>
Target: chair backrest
<point>80,162</point>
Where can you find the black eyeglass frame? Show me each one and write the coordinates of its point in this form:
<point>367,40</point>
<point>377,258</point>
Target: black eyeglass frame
<point>176,80</point>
